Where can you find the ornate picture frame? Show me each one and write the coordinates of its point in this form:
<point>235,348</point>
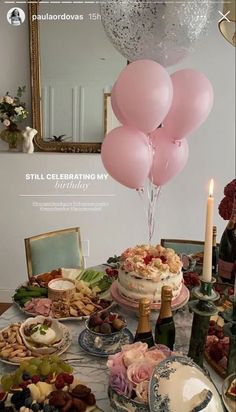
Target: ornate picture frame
<point>42,145</point>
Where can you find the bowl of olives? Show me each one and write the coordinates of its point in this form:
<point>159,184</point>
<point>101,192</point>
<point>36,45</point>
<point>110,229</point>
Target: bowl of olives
<point>105,329</point>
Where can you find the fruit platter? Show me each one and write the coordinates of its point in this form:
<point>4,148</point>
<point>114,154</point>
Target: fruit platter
<point>35,337</point>
<point>46,385</point>
<point>65,294</point>
<point>217,346</point>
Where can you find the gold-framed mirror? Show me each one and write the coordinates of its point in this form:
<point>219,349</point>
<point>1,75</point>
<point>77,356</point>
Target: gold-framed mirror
<point>73,68</point>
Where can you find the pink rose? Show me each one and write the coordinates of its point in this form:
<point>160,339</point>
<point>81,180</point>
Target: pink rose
<point>127,253</point>
<point>142,347</point>
<point>140,371</point>
<point>119,383</point>
<point>164,349</point>
<point>115,360</point>
<point>128,266</point>
<point>155,356</point>
<point>142,391</point>
<point>131,356</point>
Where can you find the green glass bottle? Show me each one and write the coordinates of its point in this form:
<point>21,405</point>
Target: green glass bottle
<point>227,252</point>
<point>165,327</point>
<point>144,331</point>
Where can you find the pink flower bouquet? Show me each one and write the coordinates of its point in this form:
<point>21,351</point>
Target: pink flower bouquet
<point>132,368</point>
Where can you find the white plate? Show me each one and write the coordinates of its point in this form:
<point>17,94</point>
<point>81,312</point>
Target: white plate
<point>67,340</point>
<point>63,319</point>
<point>105,295</point>
<point>230,404</point>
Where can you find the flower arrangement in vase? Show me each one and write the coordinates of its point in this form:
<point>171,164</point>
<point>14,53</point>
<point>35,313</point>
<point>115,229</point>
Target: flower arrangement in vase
<point>130,372</point>
<point>12,112</point>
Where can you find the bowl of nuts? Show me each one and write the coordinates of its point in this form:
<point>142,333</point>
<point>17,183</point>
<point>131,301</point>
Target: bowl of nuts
<point>105,330</point>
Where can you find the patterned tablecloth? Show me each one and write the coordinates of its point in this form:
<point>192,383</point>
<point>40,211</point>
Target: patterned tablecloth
<point>92,370</point>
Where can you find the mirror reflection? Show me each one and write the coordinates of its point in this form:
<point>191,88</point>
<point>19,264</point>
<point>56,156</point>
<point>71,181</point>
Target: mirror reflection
<point>78,65</point>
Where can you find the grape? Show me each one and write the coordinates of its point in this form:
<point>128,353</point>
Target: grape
<point>54,367</point>
<point>45,368</point>
<point>65,367</point>
<point>23,366</point>
<point>6,382</point>
<point>32,370</point>
<point>18,376</point>
<point>55,359</point>
<point>35,361</point>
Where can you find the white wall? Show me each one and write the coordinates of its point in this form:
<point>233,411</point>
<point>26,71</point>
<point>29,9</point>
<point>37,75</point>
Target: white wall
<point>181,209</point>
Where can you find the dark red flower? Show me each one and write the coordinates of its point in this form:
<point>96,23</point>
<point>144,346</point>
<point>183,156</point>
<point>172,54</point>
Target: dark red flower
<point>230,189</point>
<point>226,204</point>
<point>148,259</point>
<point>225,208</point>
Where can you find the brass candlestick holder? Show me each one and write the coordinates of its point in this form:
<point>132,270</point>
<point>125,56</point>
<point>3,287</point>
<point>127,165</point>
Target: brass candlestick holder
<point>203,308</point>
<point>229,329</point>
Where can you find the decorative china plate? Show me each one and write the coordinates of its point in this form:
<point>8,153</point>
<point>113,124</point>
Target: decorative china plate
<point>177,303</point>
<point>230,404</point>
<point>65,344</point>
<point>178,384</point>
<point>86,342</point>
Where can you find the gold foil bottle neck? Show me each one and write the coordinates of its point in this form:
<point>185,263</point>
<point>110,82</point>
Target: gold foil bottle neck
<point>214,234</point>
<point>166,293</point>
<point>144,306</point>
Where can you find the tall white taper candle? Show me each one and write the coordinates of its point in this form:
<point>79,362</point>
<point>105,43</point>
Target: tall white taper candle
<point>207,260</point>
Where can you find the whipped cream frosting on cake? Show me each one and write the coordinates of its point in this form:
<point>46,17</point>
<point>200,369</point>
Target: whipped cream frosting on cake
<point>145,269</point>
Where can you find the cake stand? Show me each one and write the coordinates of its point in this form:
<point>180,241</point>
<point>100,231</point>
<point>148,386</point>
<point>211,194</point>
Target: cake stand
<point>129,304</point>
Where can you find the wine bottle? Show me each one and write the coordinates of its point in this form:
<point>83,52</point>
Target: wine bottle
<point>227,250</point>
<point>214,252</point>
<point>165,327</point>
<point>144,331</point>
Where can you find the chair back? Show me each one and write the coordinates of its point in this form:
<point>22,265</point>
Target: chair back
<point>183,246</point>
<point>53,250</point>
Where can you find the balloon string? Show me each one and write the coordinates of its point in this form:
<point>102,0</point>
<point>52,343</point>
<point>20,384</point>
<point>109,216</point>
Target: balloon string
<point>151,195</point>
<point>141,196</point>
<point>156,193</point>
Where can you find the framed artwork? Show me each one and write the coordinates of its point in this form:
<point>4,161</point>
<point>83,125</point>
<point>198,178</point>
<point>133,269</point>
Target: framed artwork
<point>110,120</point>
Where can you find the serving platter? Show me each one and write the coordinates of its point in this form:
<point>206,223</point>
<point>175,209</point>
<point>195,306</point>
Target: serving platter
<point>176,303</point>
<point>34,298</point>
<point>217,346</point>
<point>63,347</point>
<point>63,319</point>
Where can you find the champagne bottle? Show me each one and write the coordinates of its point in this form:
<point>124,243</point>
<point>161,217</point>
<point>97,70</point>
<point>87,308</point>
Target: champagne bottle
<point>214,253</point>
<point>165,327</point>
<point>227,250</point>
<point>144,331</point>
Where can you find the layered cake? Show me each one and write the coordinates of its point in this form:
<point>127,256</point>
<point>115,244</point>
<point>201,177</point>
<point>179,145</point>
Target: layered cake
<point>145,269</point>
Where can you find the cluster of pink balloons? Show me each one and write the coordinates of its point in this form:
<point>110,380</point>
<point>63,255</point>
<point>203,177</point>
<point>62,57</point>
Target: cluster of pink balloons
<point>144,97</point>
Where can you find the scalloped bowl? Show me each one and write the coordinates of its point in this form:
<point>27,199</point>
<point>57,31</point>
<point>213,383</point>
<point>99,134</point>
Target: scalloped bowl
<point>42,348</point>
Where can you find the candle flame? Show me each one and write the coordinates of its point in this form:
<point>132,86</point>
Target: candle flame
<point>211,187</point>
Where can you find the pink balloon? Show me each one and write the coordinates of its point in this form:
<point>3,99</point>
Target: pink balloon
<point>192,102</point>
<point>127,156</point>
<point>142,95</point>
<point>115,107</point>
<point>170,157</point>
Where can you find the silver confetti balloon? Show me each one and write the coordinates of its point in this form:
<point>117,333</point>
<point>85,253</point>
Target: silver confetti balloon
<point>163,31</point>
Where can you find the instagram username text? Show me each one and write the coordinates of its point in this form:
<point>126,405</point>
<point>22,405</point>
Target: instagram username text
<point>65,17</point>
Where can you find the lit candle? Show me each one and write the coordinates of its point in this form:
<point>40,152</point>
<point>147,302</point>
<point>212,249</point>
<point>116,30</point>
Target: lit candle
<point>207,261</point>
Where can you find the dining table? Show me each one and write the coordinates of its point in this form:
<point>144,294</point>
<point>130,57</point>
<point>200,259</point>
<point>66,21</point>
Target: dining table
<point>92,370</point>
